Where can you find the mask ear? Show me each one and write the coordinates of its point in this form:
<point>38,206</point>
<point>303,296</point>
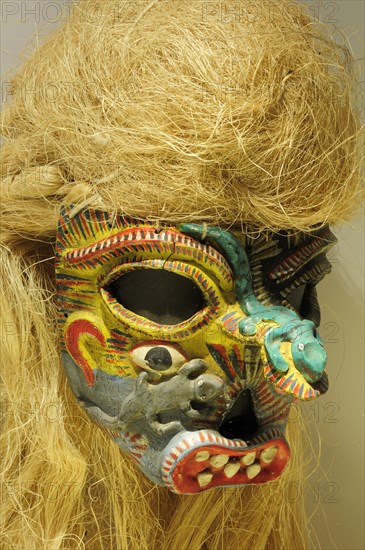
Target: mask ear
<point>84,335</point>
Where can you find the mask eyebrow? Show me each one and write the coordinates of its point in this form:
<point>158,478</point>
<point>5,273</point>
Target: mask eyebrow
<point>145,241</point>
<point>302,255</point>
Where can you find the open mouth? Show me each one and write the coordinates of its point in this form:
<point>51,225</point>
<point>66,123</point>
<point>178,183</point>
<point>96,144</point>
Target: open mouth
<point>196,461</point>
<point>238,453</point>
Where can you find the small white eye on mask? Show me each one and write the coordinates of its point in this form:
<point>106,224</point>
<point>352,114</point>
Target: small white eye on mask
<point>157,358</point>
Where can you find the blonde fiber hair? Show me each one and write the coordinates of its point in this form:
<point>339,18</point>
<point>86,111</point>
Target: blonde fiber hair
<point>174,114</point>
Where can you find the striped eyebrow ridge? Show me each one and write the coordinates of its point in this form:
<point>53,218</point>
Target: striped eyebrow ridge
<point>301,255</point>
<point>135,236</point>
<point>147,240</point>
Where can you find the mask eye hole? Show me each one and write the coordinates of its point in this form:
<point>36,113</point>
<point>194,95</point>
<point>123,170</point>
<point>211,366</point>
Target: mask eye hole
<point>159,295</point>
<point>157,357</point>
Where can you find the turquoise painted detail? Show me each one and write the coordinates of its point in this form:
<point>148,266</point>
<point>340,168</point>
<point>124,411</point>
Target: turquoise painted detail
<point>308,353</point>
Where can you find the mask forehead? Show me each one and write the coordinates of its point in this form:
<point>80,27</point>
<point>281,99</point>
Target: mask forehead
<point>188,372</point>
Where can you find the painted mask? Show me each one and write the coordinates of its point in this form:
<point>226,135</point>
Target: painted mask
<point>188,344</point>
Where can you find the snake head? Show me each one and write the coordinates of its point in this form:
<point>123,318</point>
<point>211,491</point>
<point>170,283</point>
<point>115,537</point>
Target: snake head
<point>308,353</point>
<point>306,349</point>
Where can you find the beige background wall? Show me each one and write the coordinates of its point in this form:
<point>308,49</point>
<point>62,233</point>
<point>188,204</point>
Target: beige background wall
<point>335,495</point>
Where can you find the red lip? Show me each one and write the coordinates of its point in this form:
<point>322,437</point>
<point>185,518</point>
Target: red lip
<point>214,464</point>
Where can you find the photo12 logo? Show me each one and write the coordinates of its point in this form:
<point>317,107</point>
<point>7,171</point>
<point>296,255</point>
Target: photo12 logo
<point>37,12</point>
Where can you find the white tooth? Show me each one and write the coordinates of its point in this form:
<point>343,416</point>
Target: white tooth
<point>218,461</point>
<point>248,459</point>
<point>268,454</point>
<point>202,455</point>
<point>253,470</point>
<point>204,478</point>
<point>231,468</point>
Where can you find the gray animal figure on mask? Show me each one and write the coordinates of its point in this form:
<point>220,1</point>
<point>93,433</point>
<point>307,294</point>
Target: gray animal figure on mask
<point>149,400</point>
<point>308,354</point>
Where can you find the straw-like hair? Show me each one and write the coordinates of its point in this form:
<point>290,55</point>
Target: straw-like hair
<point>233,112</point>
<point>175,110</point>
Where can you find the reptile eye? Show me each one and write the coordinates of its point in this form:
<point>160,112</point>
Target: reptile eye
<point>157,357</point>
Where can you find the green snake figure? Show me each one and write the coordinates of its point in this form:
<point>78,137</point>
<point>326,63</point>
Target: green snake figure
<point>307,351</point>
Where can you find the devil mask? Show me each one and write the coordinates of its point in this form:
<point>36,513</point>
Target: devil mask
<point>188,343</point>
